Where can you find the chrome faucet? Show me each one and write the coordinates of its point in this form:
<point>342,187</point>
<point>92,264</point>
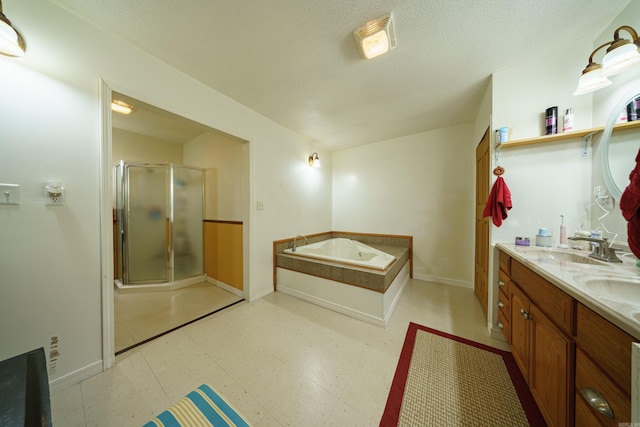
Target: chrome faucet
<point>294,241</point>
<point>601,249</point>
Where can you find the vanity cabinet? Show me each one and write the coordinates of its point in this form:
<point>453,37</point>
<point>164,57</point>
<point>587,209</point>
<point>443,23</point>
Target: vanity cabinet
<point>563,348</point>
<point>603,370</point>
<point>541,342</point>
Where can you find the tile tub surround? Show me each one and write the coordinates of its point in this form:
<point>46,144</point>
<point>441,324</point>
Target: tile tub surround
<point>379,281</point>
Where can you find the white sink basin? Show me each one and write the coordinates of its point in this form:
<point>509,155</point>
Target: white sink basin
<point>541,254</point>
<point>621,289</point>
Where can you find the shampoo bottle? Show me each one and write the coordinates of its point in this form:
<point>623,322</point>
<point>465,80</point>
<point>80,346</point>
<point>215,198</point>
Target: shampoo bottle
<point>567,123</point>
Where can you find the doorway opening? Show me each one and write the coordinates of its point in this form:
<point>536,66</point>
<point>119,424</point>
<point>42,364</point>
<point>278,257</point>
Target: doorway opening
<point>142,311</point>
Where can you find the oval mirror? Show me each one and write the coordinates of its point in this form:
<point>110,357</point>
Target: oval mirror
<point>619,150</point>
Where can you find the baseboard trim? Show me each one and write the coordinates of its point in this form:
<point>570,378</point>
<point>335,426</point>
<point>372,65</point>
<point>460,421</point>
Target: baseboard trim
<point>75,377</point>
<point>443,280</point>
<point>226,287</point>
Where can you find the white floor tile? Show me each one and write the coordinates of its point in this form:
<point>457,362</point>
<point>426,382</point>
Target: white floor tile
<point>280,361</point>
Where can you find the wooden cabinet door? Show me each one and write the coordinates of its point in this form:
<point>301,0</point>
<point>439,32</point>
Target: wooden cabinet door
<point>519,306</point>
<point>550,369</point>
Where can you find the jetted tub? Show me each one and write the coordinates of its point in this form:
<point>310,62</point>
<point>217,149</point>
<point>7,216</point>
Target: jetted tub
<point>345,251</point>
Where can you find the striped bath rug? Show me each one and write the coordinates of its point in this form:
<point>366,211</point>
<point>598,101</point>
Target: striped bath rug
<point>202,407</point>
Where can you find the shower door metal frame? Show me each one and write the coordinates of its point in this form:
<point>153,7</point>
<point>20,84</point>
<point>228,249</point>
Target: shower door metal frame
<point>124,229</point>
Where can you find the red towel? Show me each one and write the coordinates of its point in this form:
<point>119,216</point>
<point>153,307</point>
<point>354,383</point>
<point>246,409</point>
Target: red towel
<point>499,202</point>
<point>630,207</point>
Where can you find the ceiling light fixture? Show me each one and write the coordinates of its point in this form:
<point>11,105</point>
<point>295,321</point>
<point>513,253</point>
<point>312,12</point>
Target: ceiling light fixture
<point>314,160</point>
<point>375,37</point>
<point>122,107</point>
<point>11,42</point>
<point>621,55</point>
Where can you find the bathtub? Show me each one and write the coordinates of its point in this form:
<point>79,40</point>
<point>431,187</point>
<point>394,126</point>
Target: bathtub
<point>345,251</point>
<point>345,276</point>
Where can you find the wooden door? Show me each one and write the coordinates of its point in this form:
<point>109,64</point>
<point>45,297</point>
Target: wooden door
<point>550,369</point>
<point>481,270</point>
<point>519,304</point>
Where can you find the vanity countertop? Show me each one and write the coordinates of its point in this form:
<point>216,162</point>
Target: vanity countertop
<point>610,289</point>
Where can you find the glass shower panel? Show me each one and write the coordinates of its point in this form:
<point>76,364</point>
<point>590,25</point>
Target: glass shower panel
<point>147,224</point>
<point>186,237</point>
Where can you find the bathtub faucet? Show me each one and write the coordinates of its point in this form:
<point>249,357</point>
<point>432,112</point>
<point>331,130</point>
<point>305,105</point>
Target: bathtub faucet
<point>294,241</point>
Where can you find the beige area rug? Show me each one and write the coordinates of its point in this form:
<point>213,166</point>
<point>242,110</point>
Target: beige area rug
<point>444,380</point>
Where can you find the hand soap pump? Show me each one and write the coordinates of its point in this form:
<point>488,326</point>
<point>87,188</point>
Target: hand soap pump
<point>563,234</point>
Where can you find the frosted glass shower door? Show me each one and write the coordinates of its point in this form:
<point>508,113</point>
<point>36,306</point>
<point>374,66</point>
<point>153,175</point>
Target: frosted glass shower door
<point>147,224</point>
<point>186,236</point>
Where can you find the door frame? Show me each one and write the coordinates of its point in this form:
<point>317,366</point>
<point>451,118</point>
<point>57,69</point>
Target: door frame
<point>106,184</point>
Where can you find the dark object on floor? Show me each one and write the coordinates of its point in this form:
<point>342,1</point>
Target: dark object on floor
<point>24,390</point>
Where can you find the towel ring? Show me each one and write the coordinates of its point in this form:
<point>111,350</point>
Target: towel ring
<point>499,170</point>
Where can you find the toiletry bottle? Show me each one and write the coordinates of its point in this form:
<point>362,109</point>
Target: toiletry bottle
<point>563,234</point>
<point>567,124</point>
<point>632,113</point>
<point>551,120</point>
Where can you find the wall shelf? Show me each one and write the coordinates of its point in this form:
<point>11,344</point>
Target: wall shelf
<point>566,135</point>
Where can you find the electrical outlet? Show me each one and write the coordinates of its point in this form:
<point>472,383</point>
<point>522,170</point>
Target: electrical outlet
<point>605,201</point>
<point>259,205</point>
<point>54,193</point>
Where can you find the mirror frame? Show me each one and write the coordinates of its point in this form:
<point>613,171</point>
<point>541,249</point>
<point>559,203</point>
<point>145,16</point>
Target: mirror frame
<point>609,182</point>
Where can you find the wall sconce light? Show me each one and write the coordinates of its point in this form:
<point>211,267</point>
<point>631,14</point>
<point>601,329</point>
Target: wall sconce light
<point>122,107</point>
<point>621,55</point>
<point>11,42</point>
<point>375,37</point>
<point>314,160</point>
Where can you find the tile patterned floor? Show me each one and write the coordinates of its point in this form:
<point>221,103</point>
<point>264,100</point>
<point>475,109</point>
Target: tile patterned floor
<point>280,360</point>
<point>140,316</point>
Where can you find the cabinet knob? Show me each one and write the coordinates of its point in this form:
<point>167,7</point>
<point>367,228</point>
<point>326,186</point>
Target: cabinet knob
<point>597,401</point>
<point>500,304</point>
<point>525,314</point>
<point>500,325</point>
<point>500,282</point>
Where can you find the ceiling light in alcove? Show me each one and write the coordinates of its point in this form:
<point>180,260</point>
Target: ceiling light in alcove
<point>11,42</point>
<point>376,36</point>
<point>122,107</point>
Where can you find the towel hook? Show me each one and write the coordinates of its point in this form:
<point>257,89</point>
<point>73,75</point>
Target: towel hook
<point>499,170</point>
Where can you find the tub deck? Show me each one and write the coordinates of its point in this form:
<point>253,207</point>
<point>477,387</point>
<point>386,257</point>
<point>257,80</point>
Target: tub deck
<point>369,278</point>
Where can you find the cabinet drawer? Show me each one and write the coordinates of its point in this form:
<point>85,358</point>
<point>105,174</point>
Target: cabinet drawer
<point>504,261</point>
<point>554,303</point>
<point>588,375</point>
<point>608,345</point>
<point>503,304</point>
<point>504,282</point>
<point>585,415</point>
<point>503,323</point>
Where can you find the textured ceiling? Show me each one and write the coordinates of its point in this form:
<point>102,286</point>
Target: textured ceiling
<point>295,62</point>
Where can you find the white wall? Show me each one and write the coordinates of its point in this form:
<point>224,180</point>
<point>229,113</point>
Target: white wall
<point>50,271</point>
<point>222,158</point>
<point>546,180</point>
<point>134,147</point>
<point>604,103</point>
<point>420,185</point>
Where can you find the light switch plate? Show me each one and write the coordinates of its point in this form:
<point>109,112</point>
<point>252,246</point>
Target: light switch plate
<point>9,194</point>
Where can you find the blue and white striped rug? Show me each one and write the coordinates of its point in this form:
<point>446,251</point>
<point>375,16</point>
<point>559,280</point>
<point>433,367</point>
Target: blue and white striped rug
<point>202,407</point>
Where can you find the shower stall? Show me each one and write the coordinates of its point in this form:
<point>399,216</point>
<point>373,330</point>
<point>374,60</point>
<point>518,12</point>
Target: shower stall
<point>158,227</point>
